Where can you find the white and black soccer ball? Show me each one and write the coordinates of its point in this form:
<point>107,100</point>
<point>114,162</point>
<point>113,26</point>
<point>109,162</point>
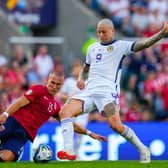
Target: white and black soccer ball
<point>43,154</point>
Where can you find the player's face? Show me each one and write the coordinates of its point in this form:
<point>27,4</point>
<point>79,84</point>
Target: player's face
<point>54,84</point>
<point>105,34</point>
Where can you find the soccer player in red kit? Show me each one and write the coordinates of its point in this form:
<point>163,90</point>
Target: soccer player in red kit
<point>21,120</point>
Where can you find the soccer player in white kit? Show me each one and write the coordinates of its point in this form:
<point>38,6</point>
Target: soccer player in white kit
<point>103,67</point>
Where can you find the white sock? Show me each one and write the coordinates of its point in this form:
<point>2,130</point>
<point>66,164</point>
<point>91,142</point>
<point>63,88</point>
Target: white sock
<point>68,134</point>
<point>130,135</point>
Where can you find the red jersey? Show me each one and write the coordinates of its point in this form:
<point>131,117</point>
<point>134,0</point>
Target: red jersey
<point>41,108</point>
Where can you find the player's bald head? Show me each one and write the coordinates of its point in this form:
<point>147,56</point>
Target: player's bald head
<point>105,22</point>
<point>56,73</point>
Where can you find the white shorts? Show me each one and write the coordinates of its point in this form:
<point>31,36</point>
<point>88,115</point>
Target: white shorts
<point>92,101</point>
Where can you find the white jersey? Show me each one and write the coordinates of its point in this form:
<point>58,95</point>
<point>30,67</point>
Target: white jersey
<point>105,66</point>
<point>69,87</point>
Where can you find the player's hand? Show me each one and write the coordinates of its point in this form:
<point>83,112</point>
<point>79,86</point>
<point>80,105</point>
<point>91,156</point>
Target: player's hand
<point>81,84</point>
<point>98,137</point>
<point>3,118</point>
<point>165,27</point>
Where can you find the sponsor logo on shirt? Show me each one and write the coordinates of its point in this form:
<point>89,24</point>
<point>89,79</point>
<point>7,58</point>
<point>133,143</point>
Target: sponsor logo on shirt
<point>29,92</point>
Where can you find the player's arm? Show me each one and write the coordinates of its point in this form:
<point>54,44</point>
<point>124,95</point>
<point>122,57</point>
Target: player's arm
<point>84,72</point>
<point>81,130</point>
<point>83,76</point>
<point>63,96</point>
<point>145,43</point>
<point>12,108</point>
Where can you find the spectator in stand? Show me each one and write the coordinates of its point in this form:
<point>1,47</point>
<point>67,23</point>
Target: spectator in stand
<point>164,94</point>
<point>3,70</point>
<point>148,88</point>
<point>140,19</point>
<point>136,62</point>
<point>152,29</point>
<point>145,114</point>
<point>15,75</point>
<point>161,5</point>
<point>158,106</point>
<point>164,53</point>
<point>95,5</point>
<point>156,15</point>
<point>20,56</point>
<point>132,91</point>
<point>4,101</point>
<point>133,114</point>
<point>150,59</point>
<point>44,62</point>
<point>119,11</point>
<point>161,76</point>
<point>58,64</point>
<point>32,76</point>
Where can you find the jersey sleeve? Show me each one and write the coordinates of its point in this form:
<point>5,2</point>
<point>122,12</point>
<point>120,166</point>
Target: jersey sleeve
<point>128,46</point>
<point>87,61</point>
<point>33,92</point>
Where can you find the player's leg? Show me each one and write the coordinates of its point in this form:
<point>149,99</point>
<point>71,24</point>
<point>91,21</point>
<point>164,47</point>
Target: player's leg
<point>12,146</point>
<point>72,108</point>
<point>6,131</point>
<point>111,111</point>
<point>12,142</point>
<point>81,120</point>
<point>7,156</point>
<point>77,105</point>
<point>6,128</point>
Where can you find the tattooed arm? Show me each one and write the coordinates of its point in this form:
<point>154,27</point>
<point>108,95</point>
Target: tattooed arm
<point>83,76</point>
<point>84,72</point>
<point>142,44</point>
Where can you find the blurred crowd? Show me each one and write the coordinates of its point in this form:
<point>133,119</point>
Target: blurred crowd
<point>144,83</point>
<point>133,17</point>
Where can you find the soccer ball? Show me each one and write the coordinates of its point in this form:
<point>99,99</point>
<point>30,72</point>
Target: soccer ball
<point>43,154</point>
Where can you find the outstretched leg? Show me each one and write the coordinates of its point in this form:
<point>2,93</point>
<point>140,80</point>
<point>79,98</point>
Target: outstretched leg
<point>112,113</point>
<point>69,110</point>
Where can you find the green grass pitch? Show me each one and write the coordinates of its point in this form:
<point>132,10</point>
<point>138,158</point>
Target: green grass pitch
<point>86,164</point>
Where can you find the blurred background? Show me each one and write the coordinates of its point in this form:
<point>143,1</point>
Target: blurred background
<point>40,35</point>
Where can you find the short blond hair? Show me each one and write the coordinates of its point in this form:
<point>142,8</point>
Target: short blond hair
<point>105,22</point>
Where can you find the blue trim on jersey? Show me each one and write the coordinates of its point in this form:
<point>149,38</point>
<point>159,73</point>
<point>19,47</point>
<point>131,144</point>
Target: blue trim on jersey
<point>116,88</point>
<point>83,102</point>
<point>132,47</point>
<point>111,42</point>
<point>119,67</point>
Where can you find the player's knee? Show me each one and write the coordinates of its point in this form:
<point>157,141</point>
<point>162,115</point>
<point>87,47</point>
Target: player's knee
<point>64,112</point>
<point>7,156</point>
<point>71,110</point>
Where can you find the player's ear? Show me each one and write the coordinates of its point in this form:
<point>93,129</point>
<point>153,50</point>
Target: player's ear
<point>45,81</point>
<point>113,30</point>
